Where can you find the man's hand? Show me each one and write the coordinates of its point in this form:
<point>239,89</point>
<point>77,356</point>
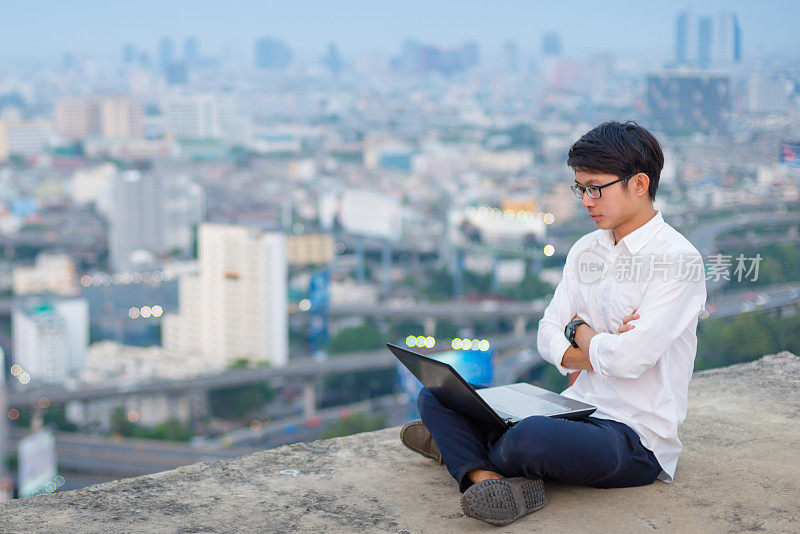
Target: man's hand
<point>624,327</point>
<point>579,358</point>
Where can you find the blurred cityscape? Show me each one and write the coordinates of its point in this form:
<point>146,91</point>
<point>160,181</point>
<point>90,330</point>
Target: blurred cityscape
<point>203,256</point>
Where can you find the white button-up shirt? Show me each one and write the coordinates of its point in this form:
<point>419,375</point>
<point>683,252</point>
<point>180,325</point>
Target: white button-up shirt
<point>640,377</point>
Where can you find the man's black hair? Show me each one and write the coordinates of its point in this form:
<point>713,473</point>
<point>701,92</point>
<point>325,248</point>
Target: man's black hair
<point>621,149</point>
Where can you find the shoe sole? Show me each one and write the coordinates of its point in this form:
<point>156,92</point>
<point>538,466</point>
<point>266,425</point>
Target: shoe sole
<point>436,458</point>
<point>500,502</point>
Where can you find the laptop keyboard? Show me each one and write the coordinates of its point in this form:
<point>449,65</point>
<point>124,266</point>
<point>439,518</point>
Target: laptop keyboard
<point>502,400</point>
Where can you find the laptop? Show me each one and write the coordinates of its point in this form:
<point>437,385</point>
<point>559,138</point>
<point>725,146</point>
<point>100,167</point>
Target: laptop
<point>497,407</point>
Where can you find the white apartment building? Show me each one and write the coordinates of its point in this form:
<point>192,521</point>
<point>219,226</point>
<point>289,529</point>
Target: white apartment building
<point>235,306</point>
<point>51,273</point>
<point>111,117</point>
<point>25,137</point>
<point>154,212</point>
<point>207,116</point>
<point>50,337</point>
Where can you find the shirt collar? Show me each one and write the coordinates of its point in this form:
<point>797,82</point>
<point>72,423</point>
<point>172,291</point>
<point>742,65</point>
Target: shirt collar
<point>635,240</point>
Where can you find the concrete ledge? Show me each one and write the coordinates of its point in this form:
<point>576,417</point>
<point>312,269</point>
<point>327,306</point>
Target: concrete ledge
<point>739,471</point>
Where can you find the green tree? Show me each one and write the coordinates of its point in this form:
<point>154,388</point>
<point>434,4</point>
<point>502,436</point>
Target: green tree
<point>239,402</point>
<point>355,423</point>
<point>530,288</point>
<point>357,338</point>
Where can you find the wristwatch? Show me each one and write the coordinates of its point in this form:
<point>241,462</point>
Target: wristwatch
<point>569,331</point>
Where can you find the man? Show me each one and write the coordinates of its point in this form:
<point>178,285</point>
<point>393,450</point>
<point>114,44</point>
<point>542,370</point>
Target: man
<point>625,316</point>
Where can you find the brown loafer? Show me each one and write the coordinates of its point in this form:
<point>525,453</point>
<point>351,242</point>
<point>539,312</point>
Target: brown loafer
<point>500,501</point>
<point>416,437</point>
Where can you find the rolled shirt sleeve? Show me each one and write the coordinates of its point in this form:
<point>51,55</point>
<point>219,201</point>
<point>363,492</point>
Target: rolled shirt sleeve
<point>668,307</point>
<point>562,308</point>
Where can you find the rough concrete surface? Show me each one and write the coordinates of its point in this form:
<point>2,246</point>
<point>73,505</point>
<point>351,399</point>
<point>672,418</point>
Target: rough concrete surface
<point>740,470</point>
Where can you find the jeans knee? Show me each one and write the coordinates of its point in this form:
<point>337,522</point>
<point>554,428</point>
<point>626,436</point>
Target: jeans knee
<point>425,399</point>
<point>524,445</point>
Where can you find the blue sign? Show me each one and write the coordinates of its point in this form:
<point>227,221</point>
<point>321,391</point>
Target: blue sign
<point>475,366</point>
<point>319,295</point>
<point>23,207</point>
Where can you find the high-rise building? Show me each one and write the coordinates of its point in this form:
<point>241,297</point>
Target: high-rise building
<point>470,54</point>
<point>704,40</point>
<point>511,56</point>
<point>52,273</point>
<point>166,53</point>
<point>332,59</point>
<point>128,53</point>
<point>50,337</point>
<point>207,116</point>
<point>191,51</point>
<point>309,249</point>
<point>25,137</point>
<point>682,38</point>
<point>235,306</point>
<point>551,44</point>
<point>272,54</point>
<point>768,93</point>
<point>729,39</point>
<point>684,103</point>
<point>111,117</point>
<point>177,73</point>
<point>418,58</point>
<point>155,213</point>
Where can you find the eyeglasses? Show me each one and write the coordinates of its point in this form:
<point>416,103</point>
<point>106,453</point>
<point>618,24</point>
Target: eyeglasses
<point>594,191</point>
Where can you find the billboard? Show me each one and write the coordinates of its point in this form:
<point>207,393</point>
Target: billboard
<point>37,462</point>
<point>363,213</point>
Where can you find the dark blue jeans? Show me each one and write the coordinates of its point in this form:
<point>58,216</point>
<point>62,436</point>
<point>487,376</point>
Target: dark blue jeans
<point>589,451</point>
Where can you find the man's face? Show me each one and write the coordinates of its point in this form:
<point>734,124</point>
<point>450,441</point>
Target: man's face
<point>615,205</point>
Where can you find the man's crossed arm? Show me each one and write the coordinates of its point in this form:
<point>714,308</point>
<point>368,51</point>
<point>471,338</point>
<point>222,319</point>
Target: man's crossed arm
<point>579,358</point>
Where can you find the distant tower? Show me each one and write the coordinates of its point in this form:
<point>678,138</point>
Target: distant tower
<point>729,39</point>
<point>551,44</point>
<point>704,42</point>
<point>166,54</point>
<point>511,56</point>
<point>272,54</point>
<point>682,38</point>
<point>128,53</point>
<point>332,59</point>
<point>191,51</point>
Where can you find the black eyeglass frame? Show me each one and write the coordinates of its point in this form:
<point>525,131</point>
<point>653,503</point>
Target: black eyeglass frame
<point>579,190</point>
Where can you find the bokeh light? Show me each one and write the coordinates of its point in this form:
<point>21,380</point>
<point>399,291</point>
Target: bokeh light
<point>44,403</point>
<point>16,370</point>
<point>13,414</point>
<point>549,250</point>
<point>133,416</point>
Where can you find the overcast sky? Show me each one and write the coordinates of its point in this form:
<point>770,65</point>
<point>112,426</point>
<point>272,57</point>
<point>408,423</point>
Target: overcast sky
<point>46,29</point>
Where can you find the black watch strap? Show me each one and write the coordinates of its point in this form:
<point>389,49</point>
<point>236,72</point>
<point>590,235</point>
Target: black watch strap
<point>570,330</point>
